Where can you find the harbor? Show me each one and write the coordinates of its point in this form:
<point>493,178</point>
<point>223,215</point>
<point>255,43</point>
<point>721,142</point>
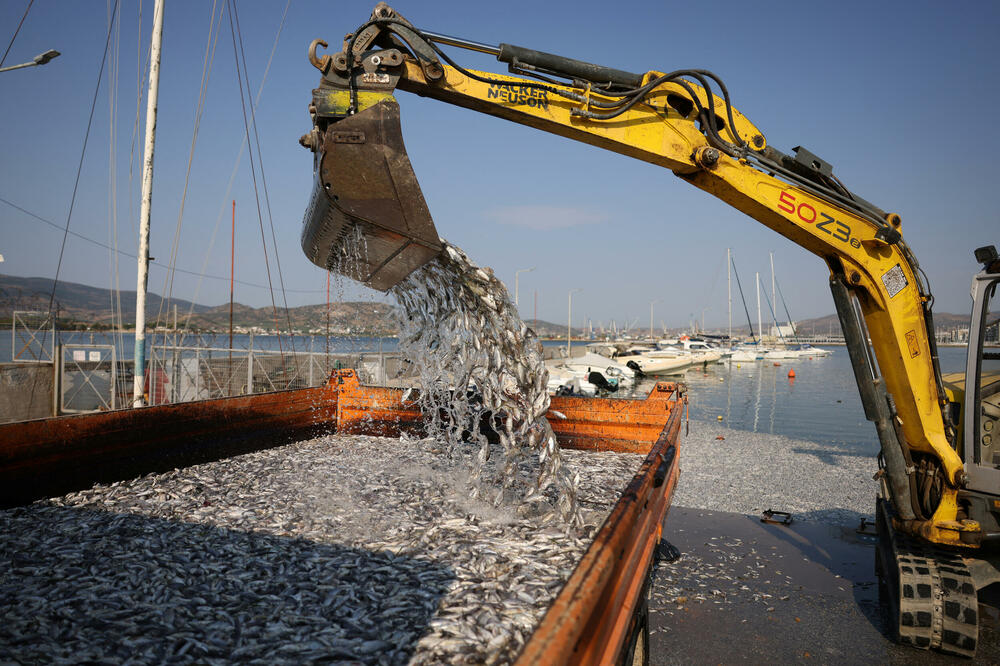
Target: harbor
<point>155,545</point>
<point>771,584</point>
<point>352,414</point>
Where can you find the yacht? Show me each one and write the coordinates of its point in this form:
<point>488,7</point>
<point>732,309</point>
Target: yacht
<point>650,361</point>
<point>563,381</point>
<point>593,361</point>
<point>747,353</point>
<point>705,352</point>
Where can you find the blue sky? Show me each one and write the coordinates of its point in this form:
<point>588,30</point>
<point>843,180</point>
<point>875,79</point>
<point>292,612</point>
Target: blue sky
<point>897,95</point>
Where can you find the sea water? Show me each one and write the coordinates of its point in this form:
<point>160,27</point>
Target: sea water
<point>821,405</point>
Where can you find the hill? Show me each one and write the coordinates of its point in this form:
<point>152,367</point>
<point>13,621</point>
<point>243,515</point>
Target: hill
<point>92,306</point>
<point>830,325</point>
<point>84,305</point>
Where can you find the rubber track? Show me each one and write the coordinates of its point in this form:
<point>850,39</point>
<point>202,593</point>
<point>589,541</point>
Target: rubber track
<point>932,590</point>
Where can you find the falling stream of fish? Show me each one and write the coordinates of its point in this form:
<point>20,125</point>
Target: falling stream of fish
<point>480,369</point>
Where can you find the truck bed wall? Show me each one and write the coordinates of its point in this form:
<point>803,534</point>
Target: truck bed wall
<point>53,456</point>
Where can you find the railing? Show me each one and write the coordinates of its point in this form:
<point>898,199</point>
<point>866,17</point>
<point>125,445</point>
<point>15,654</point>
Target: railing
<point>92,378</point>
<point>89,378</point>
<point>182,374</point>
<point>33,337</point>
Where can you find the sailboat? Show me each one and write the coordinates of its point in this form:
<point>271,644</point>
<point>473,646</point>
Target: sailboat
<point>745,352</point>
<point>786,350</point>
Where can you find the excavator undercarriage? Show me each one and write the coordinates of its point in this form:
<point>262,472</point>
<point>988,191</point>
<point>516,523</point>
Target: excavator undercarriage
<point>928,593</point>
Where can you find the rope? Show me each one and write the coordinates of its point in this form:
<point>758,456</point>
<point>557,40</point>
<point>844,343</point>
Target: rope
<point>83,152</point>
<point>229,188</point>
<point>16,30</point>
<point>76,185</point>
<point>141,66</point>
<point>206,72</point>
<point>253,175</point>
<point>113,265</point>
<point>157,264</point>
<point>743,299</point>
<point>260,166</point>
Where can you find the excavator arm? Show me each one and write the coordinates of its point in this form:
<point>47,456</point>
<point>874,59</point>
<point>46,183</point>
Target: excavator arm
<point>367,205</point>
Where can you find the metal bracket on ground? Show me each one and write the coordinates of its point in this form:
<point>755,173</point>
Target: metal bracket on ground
<point>867,528</point>
<point>783,517</point>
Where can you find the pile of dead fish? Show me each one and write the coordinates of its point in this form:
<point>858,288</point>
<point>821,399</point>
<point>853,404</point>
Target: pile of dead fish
<point>728,572</point>
<point>343,548</point>
<point>481,371</point>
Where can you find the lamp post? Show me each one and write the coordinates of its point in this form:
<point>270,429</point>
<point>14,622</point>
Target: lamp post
<point>39,59</point>
<point>569,323</point>
<point>651,304</point>
<point>517,275</point>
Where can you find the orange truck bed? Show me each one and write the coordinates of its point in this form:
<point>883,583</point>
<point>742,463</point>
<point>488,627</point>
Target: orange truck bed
<point>592,619</point>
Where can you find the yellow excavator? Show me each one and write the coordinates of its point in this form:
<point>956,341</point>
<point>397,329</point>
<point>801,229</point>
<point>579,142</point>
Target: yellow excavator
<point>938,505</point>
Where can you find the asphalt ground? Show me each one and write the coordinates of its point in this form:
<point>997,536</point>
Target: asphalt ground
<point>748,592</point>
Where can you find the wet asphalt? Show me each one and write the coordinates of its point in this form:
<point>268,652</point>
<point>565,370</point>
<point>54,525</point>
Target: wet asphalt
<point>747,592</point>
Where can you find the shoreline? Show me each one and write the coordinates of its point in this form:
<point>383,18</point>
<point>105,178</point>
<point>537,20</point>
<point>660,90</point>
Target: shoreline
<point>749,473</point>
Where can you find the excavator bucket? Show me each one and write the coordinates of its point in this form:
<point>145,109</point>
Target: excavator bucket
<point>367,217</point>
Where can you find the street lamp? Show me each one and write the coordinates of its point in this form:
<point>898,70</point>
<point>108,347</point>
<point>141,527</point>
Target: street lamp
<point>569,324</point>
<point>651,304</point>
<point>517,275</point>
<point>39,59</point>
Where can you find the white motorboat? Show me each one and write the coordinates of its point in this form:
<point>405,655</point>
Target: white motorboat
<point>747,354</point>
<point>809,350</point>
<point>796,351</point>
<point>591,361</point>
<point>653,362</point>
<point>561,379</point>
<point>706,352</point>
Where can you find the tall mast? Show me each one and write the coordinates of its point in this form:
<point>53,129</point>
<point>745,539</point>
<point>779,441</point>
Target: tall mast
<point>729,289</point>
<point>232,277</point>
<point>760,331</point>
<point>774,300</point>
<point>144,212</point>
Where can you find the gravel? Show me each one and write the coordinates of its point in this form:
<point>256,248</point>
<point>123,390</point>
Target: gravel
<point>747,472</point>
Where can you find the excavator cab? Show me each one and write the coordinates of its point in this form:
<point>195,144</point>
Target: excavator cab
<point>981,409</point>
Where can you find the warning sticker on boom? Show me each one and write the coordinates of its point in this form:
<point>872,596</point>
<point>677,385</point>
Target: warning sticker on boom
<point>913,344</point>
<point>894,280</point>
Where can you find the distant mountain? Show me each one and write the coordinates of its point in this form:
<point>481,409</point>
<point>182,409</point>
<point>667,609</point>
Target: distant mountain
<point>93,305</point>
<point>76,301</point>
<point>830,325</point>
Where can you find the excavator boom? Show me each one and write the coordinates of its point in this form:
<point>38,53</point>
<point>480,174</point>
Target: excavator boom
<point>366,196</point>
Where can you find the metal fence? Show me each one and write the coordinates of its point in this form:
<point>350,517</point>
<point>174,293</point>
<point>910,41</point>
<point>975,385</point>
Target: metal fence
<point>93,378</point>
<point>33,337</point>
<point>89,378</point>
<point>182,374</point>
